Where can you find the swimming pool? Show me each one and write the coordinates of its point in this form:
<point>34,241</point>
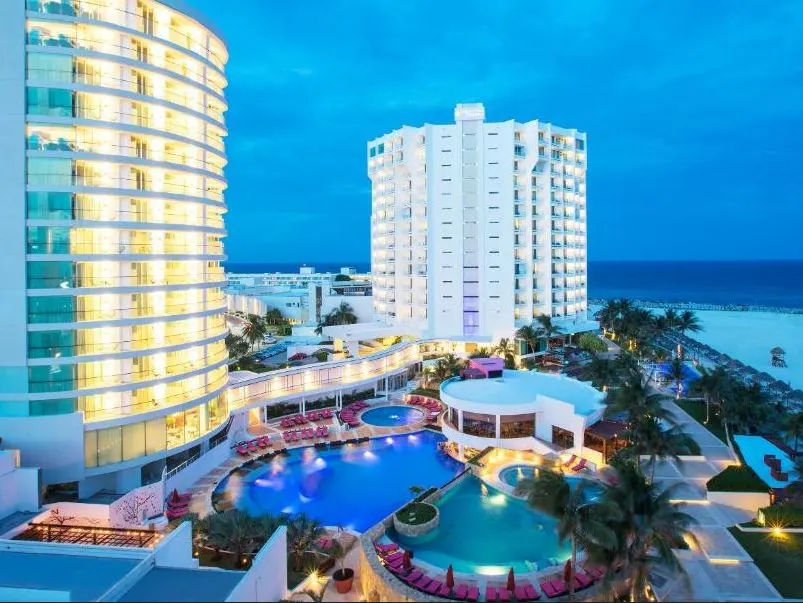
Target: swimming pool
<point>484,531</point>
<point>690,375</point>
<point>392,416</point>
<point>513,474</point>
<point>354,486</point>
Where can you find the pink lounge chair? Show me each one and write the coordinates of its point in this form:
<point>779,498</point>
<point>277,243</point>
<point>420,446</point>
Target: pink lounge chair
<point>461,592</point>
<point>434,587</point>
<point>252,446</point>
<point>571,461</point>
<point>261,443</point>
<point>490,593</point>
<point>473,593</point>
<point>580,466</point>
<point>582,580</point>
<point>559,586</point>
<point>504,594</point>
<point>549,590</point>
<point>395,555</point>
<point>423,582</point>
<point>242,450</point>
<point>530,592</point>
<point>413,576</point>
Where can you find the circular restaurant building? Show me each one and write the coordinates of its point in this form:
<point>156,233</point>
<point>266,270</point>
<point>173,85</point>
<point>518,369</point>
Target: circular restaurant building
<point>518,410</point>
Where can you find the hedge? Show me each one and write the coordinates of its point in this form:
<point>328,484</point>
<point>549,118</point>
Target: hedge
<point>737,478</point>
<point>423,513</point>
<point>782,515</point>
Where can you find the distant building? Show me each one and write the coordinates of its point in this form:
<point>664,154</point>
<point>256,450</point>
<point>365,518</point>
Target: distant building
<point>478,227</point>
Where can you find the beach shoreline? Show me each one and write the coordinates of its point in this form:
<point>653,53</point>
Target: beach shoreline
<point>698,306</point>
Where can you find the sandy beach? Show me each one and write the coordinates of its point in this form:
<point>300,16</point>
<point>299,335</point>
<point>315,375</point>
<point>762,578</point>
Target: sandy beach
<point>749,337</point>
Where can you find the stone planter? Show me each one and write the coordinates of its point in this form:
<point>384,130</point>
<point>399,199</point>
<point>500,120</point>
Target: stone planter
<point>410,530</point>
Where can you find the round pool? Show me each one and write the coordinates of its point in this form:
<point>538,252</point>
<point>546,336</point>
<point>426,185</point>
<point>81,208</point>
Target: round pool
<point>392,416</point>
<point>515,473</point>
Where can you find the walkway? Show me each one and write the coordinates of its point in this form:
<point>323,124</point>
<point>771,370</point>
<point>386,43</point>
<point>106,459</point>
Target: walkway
<point>718,568</point>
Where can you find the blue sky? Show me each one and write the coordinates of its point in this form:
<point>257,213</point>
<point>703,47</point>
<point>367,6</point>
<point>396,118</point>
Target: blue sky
<point>694,114</point>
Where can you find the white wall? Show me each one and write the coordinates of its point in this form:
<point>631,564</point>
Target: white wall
<point>13,304</point>
<point>176,549</point>
<point>54,443</point>
<point>560,414</point>
<point>138,505</point>
<point>185,478</point>
<point>19,487</point>
<point>363,305</point>
<point>748,501</point>
<point>263,582</point>
<point>245,303</point>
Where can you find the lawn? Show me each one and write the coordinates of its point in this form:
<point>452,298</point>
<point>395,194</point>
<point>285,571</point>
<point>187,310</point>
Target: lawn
<point>697,412</point>
<point>779,557</point>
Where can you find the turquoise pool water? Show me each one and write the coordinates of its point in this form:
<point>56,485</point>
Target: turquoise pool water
<point>753,450</point>
<point>354,486</point>
<point>513,474</point>
<point>392,416</point>
<point>484,531</point>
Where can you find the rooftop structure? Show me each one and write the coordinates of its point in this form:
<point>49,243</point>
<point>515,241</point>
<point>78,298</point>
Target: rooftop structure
<point>463,214</point>
<point>520,410</point>
<point>112,127</point>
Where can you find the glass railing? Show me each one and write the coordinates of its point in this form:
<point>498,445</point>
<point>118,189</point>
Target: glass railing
<point>80,282</point>
<point>100,11</point>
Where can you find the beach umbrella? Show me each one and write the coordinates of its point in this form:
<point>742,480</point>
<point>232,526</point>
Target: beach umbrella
<point>449,577</point>
<point>777,351</point>
<point>766,377</point>
<point>511,581</point>
<point>406,562</point>
<point>174,498</point>
<point>797,394</point>
<point>751,370</point>
<point>567,571</point>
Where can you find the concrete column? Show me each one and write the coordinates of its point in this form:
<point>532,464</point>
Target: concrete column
<point>460,420</point>
<point>460,452</point>
<point>498,428</point>
<point>303,405</point>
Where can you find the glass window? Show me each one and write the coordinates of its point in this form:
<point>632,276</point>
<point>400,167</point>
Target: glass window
<point>479,424</point>
<point>49,101</point>
<point>51,344</point>
<point>53,378</point>
<point>59,308</point>
<point>50,275</point>
<point>48,239</point>
<point>50,67</point>
<point>51,171</point>
<point>91,449</point>
<point>380,148</point>
<point>52,206</point>
<point>192,424</point>
<point>175,429</point>
<point>133,441</point>
<point>218,411</point>
<point>110,445</point>
<point>155,435</point>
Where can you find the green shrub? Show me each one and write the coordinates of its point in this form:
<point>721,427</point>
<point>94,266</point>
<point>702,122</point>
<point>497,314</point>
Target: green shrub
<point>783,515</point>
<point>737,478</point>
<point>588,342</point>
<point>416,513</point>
<point>425,391</point>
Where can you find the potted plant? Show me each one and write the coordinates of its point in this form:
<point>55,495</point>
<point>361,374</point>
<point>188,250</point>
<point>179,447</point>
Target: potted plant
<point>343,576</point>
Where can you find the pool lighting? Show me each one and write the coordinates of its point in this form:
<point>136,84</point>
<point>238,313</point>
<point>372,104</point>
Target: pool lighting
<point>389,440</point>
<point>369,455</point>
<point>491,570</point>
<point>498,500</point>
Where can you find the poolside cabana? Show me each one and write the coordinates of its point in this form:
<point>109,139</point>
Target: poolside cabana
<point>606,437</point>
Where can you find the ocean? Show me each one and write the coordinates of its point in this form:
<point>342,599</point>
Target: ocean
<point>755,283</point>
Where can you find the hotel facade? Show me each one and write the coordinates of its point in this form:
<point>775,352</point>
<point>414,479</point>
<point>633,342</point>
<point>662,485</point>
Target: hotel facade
<point>479,227</point>
<point>112,309</point>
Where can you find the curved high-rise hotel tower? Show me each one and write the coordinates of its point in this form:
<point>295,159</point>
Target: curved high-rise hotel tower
<point>112,360</point>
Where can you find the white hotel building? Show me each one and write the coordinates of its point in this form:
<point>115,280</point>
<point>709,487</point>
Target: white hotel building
<point>112,308</point>
<point>478,227</point>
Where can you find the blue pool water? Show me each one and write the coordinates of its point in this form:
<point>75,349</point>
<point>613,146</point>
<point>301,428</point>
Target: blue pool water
<point>689,375</point>
<point>392,416</point>
<point>354,486</point>
<point>511,476</point>
<point>484,531</point>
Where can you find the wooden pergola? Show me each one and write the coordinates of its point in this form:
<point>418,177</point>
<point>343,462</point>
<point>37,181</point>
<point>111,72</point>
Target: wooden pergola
<point>606,437</point>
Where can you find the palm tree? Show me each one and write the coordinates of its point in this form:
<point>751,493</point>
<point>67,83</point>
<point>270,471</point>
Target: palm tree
<point>688,321</point>
<point>581,520</point>
<point>342,315</point>
<point>481,352</point>
<point>794,427</point>
<point>635,401</point>
<point>648,527</point>
<point>657,444</point>
<point>529,335</point>
<point>602,373</point>
<point>302,534</point>
<point>675,373</point>
<point>234,531</point>
<point>254,329</point>
<point>507,350</point>
<point>712,385</point>
<point>236,346</point>
<point>445,368</point>
<point>274,317</point>
<point>546,328</point>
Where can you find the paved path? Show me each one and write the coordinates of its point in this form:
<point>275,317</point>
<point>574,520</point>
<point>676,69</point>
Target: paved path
<point>718,568</point>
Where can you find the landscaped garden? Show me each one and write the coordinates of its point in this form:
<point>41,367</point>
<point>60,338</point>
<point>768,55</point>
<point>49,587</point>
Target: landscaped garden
<point>778,555</point>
